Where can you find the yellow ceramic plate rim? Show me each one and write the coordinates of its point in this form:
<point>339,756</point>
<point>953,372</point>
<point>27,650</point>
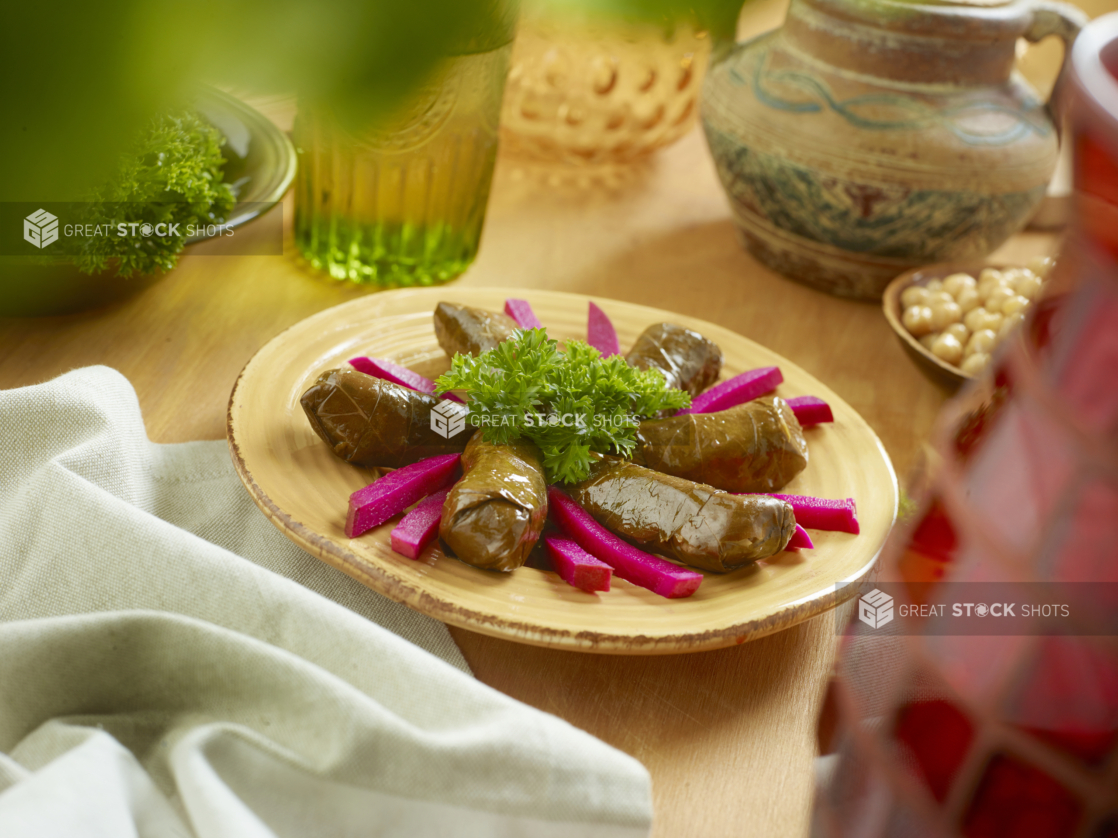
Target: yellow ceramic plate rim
<point>643,623</point>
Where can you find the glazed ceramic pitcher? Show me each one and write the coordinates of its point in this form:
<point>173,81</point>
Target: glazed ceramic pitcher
<point>867,137</point>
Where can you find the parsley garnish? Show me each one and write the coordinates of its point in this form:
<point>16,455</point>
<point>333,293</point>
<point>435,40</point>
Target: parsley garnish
<point>568,403</point>
<point>173,175</point>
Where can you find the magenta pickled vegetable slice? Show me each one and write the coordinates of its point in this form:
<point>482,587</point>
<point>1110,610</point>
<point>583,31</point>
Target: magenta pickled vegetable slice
<point>823,514</point>
<point>737,390</point>
<point>600,332</point>
<point>521,312</point>
<point>577,567</point>
<point>811,410</point>
<point>800,540</point>
<point>657,575</point>
<point>392,494</point>
<point>419,527</point>
<point>397,374</point>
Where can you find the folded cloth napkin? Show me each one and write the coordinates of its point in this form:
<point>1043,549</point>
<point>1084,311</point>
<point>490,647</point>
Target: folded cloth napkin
<point>170,665</point>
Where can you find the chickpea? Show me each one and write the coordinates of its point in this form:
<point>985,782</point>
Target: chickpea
<point>1027,285</point>
<point>982,341</point>
<point>934,285</point>
<point>975,319</point>
<point>959,331</point>
<point>1009,324</point>
<point>989,275</point>
<point>928,341</point>
<point>944,314</point>
<point>996,298</point>
<point>968,299</point>
<point>1041,265</point>
<point>918,320</point>
<point>974,364</point>
<point>914,295</point>
<point>993,280</point>
<point>979,318</point>
<point>957,282</point>
<point>1014,305</point>
<point>947,348</point>
<point>938,298</point>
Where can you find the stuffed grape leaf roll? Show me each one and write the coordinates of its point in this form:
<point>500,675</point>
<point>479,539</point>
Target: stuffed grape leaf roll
<point>494,515</point>
<point>758,446</point>
<point>371,422</point>
<point>687,359</point>
<point>692,522</point>
<point>470,331</point>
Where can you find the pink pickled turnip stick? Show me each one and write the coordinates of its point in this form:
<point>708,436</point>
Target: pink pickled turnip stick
<point>648,571</point>
<point>737,390</point>
<point>600,332</point>
<point>810,410</point>
<point>392,494</point>
<point>800,540</point>
<point>521,312</point>
<point>823,514</point>
<point>577,567</point>
<point>419,527</point>
<point>397,374</point>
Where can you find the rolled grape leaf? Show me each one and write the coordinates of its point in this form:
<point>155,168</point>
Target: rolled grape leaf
<point>692,522</point>
<point>371,422</point>
<point>470,331</point>
<point>494,515</point>
<point>755,447</point>
<point>687,359</point>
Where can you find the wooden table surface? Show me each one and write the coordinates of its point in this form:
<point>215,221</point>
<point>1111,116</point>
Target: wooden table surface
<point>729,735</point>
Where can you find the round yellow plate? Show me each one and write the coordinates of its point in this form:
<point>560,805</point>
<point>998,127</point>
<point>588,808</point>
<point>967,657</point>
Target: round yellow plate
<point>304,490</point>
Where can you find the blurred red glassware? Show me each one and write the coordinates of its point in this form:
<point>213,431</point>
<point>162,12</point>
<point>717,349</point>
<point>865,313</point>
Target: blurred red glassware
<point>981,735</point>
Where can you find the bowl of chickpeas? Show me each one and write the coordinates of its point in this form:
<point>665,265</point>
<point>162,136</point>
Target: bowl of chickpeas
<point>953,317</point>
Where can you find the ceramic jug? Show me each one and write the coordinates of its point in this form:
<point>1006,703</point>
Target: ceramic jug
<point>867,137</point>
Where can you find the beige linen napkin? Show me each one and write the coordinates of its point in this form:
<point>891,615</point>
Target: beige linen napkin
<point>170,665</point>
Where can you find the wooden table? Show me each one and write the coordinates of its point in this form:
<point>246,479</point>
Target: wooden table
<point>729,735</point>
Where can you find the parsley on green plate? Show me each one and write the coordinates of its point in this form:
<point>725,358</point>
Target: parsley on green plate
<point>257,166</point>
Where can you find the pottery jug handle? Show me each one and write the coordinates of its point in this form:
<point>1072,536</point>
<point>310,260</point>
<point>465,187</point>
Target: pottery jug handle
<point>1059,19</point>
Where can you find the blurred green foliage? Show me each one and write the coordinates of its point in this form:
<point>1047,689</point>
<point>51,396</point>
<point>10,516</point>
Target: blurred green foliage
<point>82,79</point>
<point>719,17</point>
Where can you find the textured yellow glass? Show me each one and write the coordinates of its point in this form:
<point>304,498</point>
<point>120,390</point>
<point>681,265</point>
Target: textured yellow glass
<point>597,89</point>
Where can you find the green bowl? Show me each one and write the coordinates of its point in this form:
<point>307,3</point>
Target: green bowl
<point>259,159</point>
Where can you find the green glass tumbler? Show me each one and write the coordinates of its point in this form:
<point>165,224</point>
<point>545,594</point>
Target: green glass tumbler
<point>403,205</point>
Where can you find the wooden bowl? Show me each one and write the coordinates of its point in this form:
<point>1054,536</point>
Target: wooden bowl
<point>941,372</point>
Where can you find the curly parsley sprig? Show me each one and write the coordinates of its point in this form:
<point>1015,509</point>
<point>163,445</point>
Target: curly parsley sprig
<point>172,176</point>
<point>568,403</point>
